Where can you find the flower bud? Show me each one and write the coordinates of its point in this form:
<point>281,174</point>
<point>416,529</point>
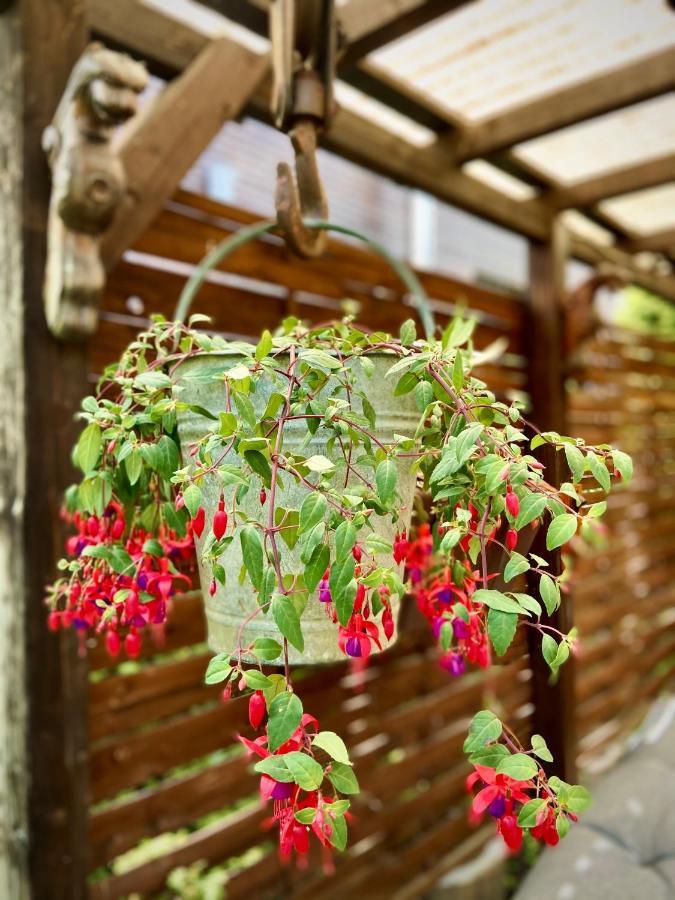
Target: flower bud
<point>112,643</point>
<point>219,524</point>
<point>198,521</point>
<point>256,709</point>
<point>213,587</point>
<point>512,504</point>
<point>263,496</point>
<point>132,645</point>
<point>511,538</point>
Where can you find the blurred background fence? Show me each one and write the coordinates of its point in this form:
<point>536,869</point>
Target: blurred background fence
<point>166,786</point>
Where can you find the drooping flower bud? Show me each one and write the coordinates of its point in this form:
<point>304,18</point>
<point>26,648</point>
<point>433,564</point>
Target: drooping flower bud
<point>511,538</point>
<point>132,645</point>
<point>54,620</point>
<point>357,552</point>
<point>112,643</point>
<point>198,521</point>
<point>256,709</point>
<point>512,504</point>
<point>387,623</point>
<point>213,587</point>
<point>117,529</point>
<point>263,496</point>
<point>219,524</point>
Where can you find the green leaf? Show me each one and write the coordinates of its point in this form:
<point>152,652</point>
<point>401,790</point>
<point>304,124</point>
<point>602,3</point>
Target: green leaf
<point>467,441</point>
<point>275,767</point>
<point>531,508</point>
<point>599,470</point>
<point>266,649</point>
<point>516,565</point>
<point>562,825</point>
<point>228,424</point>
<point>408,332</point>
<point>405,384</point>
<point>285,713</point>
<point>375,543</point>
<point>316,566</point>
<point>518,766</point>
<point>527,817</point>
<point>218,669</point>
<point>192,496</point>
<point>540,748</point>
<point>343,779</point>
<point>153,547</point>
<point>491,755</point>
<point>305,816</point>
<point>312,511</point>
<point>167,456</point>
<point>338,835</point>
<point>345,538</point>
<point>319,359</point>
<point>152,381</point>
<point>549,649</point>
<point>458,372</point>
<point>385,481</point>
<point>319,463</point>
<point>264,345</point>
<point>595,510</point>
<point>577,798</point>
<point>561,529</point>
<point>501,629</point>
<point>134,466</point>
<point>258,462</point>
<point>550,593</point>
<point>344,597</point>
<point>287,620</point>
<point>496,600</point>
<point>623,464</point>
<point>252,553</point>
<point>333,745</point>
<point>306,772</point>
<point>424,395</point>
<point>485,728</point>
<point>88,448</point>
<point>576,461</point>
<point>528,603</point>
<point>256,681</point>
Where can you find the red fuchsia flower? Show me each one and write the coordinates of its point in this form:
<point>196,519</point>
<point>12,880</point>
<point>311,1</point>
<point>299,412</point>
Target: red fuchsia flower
<point>498,796</point>
<point>418,554</point>
<point>512,503</point>
<point>511,539</point>
<point>326,598</point>
<point>112,600</point>
<point>401,547</point>
<point>358,637</point>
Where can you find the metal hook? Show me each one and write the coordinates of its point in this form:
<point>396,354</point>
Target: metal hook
<point>307,199</point>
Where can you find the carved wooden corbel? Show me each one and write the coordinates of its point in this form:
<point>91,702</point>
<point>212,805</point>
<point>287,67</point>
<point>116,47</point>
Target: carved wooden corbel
<point>88,182</point>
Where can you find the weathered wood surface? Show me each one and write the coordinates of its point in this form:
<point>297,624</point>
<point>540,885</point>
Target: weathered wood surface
<point>43,771</point>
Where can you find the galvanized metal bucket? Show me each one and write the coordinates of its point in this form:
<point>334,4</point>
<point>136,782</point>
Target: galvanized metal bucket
<point>229,612</point>
<point>234,604</point>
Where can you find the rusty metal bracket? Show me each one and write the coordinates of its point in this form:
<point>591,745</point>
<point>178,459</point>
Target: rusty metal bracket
<point>304,34</point>
<point>88,181</point>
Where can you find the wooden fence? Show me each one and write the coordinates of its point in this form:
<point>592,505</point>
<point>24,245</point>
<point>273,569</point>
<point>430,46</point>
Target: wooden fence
<point>161,760</point>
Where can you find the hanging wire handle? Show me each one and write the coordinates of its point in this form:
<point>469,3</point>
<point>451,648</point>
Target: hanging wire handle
<point>229,244</point>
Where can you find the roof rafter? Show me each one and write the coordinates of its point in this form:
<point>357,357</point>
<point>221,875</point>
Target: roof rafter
<point>649,77</point>
<point>642,175</point>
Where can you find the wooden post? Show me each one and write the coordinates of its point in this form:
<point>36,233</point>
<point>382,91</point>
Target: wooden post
<point>554,713</point>
<point>43,772</point>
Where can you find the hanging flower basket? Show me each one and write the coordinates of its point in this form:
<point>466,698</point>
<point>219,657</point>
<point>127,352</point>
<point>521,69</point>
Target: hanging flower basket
<point>293,464</point>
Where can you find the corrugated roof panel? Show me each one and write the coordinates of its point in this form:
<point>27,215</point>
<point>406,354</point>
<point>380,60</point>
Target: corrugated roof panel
<point>493,55</point>
<point>644,212</point>
<point>617,140</point>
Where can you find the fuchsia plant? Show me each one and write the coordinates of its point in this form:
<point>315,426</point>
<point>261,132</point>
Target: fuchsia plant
<point>139,508</point>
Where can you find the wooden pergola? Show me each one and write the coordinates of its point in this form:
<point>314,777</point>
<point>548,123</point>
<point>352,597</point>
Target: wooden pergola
<point>213,79</point>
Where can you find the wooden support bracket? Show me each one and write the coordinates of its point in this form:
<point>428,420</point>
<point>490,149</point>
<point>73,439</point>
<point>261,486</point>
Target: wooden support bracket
<point>87,184</point>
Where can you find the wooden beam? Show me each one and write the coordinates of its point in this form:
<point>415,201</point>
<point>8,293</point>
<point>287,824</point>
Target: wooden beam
<point>657,241</point>
<point>664,285</point>
<point>369,26</point>
<point>554,704</point>
<point>43,689</point>
<point>148,33</point>
<point>649,77</point>
<point>638,177</point>
<point>168,136</point>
